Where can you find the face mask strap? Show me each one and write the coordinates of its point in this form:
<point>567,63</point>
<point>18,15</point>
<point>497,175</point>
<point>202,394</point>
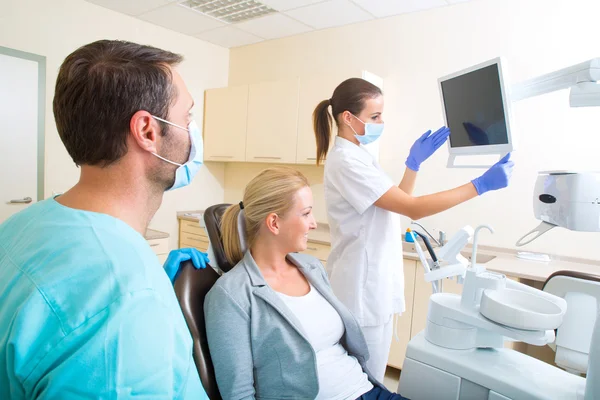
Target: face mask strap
<point>364,123</point>
<point>169,161</point>
<point>170,123</point>
<point>350,125</point>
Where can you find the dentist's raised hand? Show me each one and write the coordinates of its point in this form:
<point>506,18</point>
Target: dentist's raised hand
<point>425,146</point>
<point>496,177</point>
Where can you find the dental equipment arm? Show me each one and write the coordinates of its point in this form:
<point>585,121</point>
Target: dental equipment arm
<point>582,79</point>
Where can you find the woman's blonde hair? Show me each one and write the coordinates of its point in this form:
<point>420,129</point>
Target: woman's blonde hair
<point>271,191</point>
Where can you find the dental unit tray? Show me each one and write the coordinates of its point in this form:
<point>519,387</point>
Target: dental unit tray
<point>490,310</point>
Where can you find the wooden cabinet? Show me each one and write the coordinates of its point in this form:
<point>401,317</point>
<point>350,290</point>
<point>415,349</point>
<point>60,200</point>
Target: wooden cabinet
<point>404,322</point>
<point>191,234</point>
<point>225,118</point>
<point>318,250</point>
<point>160,247</point>
<point>272,122</point>
<point>313,90</point>
<point>268,122</point>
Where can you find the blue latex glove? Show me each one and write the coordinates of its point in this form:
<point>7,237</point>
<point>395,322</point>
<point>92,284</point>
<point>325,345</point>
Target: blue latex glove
<point>425,146</point>
<point>176,257</point>
<point>496,177</point>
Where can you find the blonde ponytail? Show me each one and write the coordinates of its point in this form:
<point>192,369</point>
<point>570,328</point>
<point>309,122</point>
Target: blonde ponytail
<point>231,234</point>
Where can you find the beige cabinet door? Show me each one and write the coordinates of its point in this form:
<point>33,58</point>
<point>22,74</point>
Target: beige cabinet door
<point>404,322</point>
<point>272,122</point>
<point>225,114</point>
<point>313,90</point>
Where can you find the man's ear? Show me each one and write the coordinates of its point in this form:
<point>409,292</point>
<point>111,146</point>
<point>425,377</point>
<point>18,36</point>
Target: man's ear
<point>144,130</point>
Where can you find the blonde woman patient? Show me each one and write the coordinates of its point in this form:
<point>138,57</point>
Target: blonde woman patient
<point>275,329</point>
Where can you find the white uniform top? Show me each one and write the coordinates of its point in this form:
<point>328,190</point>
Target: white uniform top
<point>365,263</point>
<point>340,375</point>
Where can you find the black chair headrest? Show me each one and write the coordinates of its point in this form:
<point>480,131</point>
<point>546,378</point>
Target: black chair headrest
<point>212,221</point>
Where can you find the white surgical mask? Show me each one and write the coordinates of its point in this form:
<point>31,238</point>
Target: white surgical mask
<point>372,132</point>
<point>186,172</point>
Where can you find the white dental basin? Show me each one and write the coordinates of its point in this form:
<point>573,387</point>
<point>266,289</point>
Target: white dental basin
<point>521,310</point>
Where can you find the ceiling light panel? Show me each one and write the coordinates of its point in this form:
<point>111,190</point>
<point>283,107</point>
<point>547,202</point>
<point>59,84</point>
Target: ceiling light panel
<point>230,11</point>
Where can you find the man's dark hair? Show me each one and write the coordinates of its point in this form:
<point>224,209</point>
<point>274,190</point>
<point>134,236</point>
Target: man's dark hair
<point>99,88</point>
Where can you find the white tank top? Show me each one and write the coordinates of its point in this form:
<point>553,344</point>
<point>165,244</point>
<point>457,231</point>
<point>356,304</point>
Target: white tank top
<point>340,375</point>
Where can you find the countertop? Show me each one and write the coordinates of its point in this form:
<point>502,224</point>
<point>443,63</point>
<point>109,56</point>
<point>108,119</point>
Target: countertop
<point>505,261</point>
<point>151,234</point>
<point>319,235</point>
<point>192,216</point>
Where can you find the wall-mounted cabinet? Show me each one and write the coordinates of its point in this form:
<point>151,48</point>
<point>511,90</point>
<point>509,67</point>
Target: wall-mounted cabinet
<point>313,90</point>
<point>225,123</point>
<point>272,122</point>
<point>268,122</point>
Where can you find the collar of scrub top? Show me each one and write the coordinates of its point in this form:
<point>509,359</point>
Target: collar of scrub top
<point>359,151</point>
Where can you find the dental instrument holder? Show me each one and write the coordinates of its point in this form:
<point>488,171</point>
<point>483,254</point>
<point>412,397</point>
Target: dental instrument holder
<point>451,252</point>
<point>455,321</point>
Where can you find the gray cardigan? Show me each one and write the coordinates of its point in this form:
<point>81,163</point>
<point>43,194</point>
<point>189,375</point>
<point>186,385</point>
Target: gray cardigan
<point>257,345</point>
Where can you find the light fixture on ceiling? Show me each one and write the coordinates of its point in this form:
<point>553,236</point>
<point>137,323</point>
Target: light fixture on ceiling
<point>229,11</point>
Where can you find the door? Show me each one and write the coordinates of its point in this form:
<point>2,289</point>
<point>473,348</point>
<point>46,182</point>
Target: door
<point>22,100</point>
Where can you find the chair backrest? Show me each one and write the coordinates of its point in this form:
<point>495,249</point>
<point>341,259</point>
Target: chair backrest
<point>574,336</point>
<point>191,287</point>
<point>212,222</point>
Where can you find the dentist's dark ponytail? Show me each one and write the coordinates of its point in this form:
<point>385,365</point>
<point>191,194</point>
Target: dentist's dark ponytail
<point>322,126</point>
<point>350,95</point>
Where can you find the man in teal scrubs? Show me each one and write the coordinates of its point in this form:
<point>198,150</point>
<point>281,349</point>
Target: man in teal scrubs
<point>86,310</point>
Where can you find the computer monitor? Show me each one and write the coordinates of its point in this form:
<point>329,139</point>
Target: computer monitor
<point>476,109</point>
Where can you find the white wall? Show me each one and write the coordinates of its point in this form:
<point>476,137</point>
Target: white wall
<point>412,51</point>
<point>56,28</point>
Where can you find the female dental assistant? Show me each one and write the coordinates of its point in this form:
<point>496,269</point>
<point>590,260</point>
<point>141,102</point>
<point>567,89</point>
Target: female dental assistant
<point>364,207</point>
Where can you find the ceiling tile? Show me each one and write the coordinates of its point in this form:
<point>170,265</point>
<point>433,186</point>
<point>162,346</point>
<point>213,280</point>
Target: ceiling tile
<point>131,7</point>
<point>228,36</point>
<point>181,19</point>
<point>284,5</point>
<point>273,26</point>
<point>329,14</point>
<point>386,8</point>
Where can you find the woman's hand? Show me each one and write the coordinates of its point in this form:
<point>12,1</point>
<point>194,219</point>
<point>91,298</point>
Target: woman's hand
<point>425,146</point>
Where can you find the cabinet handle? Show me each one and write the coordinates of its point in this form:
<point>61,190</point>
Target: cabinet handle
<point>269,158</point>
<point>311,158</point>
<point>154,244</point>
<point>312,248</point>
<point>24,200</point>
<point>221,156</point>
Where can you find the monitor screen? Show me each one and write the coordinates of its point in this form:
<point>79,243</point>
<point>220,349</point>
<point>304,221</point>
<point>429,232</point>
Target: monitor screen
<point>474,108</point>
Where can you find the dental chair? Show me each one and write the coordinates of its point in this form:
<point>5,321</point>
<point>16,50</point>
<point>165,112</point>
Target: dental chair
<point>212,223</point>
<point>191,287</point>
<point>574,336</point>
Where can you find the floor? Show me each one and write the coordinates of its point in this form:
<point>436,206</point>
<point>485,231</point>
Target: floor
<point>391,379</point>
